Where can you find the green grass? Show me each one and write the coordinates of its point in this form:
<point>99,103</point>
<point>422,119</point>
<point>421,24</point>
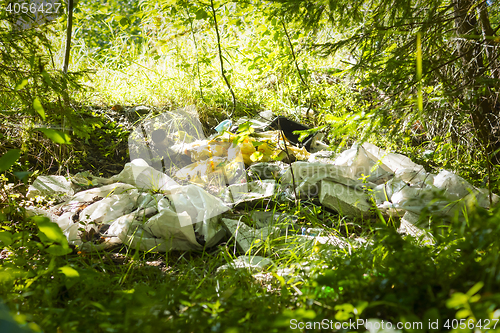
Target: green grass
<point>389,277</point>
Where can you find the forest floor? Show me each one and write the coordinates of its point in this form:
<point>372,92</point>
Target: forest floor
<point>379,276</point>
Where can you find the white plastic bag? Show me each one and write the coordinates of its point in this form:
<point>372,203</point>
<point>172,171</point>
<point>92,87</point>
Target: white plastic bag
<point>392,161</point>
<point>359,165</point>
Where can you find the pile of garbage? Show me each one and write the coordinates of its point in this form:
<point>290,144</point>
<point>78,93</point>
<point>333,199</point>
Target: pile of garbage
<point>174,193</point>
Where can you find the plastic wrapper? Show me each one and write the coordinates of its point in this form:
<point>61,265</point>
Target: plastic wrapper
<point>161,140</point>
<point>455,186</point>
<point>308,176</point>
<point>56,187</point>
<point>344,199</point>
<point>139,174</point>
<point>251,191</point>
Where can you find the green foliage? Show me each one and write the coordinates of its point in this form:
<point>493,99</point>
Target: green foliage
<point>393,66</point>
<point>31,82</point>
<point>51,235</point>
<point>38,107</point>
<point>399,279</point>
<point>9,158</point>
<point>9,324</point>
<point>55,135</point>
<point>108,30</point>
<point>389,277</point>
<point>129,296</point>
<point>428,61</point>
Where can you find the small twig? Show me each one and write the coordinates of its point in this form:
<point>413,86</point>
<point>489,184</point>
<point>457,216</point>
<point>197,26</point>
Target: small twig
<point>69,29</point>
<point>297,66</point>
<point>488,161</point>
<point>223,71</point>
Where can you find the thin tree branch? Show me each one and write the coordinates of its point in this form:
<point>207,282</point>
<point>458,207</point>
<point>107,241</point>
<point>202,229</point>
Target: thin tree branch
<point>69,29</point>
<point>297,66</point>
<point>223,71</point>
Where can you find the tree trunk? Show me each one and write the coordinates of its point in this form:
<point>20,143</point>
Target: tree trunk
<point>473,49</point>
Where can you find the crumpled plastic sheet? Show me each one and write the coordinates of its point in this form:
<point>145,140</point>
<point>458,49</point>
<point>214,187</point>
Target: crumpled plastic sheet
<point>247,192</point>
<point>412,188</point>
<point>390,161</point>
<point>144,209</point>
<point>308,177</point>
<point>247,237</point>
<point>349,168</point>
<point>443,194</point>
<point>410,225</point>
<point>358,164</point>
<point>397,184</point>
<point>51,185</point>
